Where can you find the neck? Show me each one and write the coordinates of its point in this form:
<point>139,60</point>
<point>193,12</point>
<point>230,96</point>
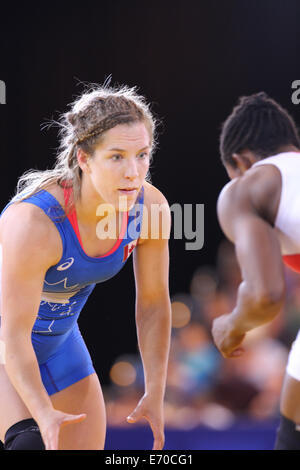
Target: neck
<point>288,148</point>
<point>88,202</point>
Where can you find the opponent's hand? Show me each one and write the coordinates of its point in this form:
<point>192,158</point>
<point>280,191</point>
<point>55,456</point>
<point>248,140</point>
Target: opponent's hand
<point>226,339</point>
<point>151,408</point>
<point>51,424</point>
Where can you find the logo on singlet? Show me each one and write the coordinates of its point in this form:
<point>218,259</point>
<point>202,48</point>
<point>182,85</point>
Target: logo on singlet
<point>65,265</point>
<point>128,249</point>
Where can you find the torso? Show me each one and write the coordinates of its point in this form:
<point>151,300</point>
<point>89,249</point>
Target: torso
<point>271,189</point>
<point>92,245</point>
<point>72,275</point>
<point>287,221</point>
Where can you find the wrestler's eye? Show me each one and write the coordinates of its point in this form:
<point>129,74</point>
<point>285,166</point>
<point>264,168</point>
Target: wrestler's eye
<point>116,157</point>
<point>142,156</point>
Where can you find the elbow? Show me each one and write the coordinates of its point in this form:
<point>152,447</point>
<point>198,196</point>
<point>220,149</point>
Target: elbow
<point>274,296</point>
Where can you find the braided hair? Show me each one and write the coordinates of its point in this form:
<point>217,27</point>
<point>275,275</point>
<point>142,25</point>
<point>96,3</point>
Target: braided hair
<point>259,124</point>
<point>93,113</point>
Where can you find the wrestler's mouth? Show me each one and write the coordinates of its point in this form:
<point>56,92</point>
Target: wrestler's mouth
<point>128,191</point>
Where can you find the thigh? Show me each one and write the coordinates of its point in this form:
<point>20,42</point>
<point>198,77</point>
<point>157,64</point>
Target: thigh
<point>84,396</point>
<point>12,408</point>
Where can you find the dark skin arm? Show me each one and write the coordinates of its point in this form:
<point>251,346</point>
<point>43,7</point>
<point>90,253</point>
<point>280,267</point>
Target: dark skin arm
<point>247,209</point>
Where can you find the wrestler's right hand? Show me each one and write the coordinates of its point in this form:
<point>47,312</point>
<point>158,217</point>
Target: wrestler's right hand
<point>52,422</point>
<point>225,337</point>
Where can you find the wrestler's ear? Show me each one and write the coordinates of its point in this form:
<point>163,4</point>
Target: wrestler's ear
<point>83,161</point>
<point>243,160</point>
<point>232,170</point>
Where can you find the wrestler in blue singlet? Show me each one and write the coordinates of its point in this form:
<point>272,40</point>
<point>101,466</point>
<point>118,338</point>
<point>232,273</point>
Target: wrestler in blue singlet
<point>60,349</point>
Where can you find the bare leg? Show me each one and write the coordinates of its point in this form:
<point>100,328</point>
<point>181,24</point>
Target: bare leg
<point>84,396</point>
<point>12,408</point>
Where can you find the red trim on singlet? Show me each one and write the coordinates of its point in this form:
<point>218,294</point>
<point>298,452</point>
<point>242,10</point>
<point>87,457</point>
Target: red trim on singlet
<point>72,216</point>
<point>292,261</point>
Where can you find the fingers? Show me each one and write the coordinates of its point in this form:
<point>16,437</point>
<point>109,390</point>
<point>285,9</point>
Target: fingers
<point>134,416</point>
<point>72,419</point>
<point>159,439</point>
<point>51,440</point>
<point>158,444</point>
<point>228,342</point>
<point>155,424</point>
<point>52,444</point>
<point>236,353</point>
<point>232,353</point>
<point>52,434</point>
<point>158,433</point>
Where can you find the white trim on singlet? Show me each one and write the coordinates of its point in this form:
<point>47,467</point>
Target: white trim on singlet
<point>287,223</point>
<point>293,364</point>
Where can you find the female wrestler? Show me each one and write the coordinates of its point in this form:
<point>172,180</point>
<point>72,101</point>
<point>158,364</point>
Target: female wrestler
<point>54,251</point>
<point>259,212</point>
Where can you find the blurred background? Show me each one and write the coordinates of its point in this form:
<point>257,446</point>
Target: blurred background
<point>191,60</point>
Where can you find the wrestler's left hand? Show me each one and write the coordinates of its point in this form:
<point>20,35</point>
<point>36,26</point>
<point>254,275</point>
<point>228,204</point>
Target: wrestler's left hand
<point>51,423</point>
<point>151,408</point>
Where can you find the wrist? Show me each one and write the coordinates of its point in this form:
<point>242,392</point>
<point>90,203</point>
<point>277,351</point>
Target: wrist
<point>235,325</point>
<point>43,412</point>
<point>155,389</point>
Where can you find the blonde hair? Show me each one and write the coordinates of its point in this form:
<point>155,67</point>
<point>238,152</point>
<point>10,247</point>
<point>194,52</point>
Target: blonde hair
<point>95,111</point>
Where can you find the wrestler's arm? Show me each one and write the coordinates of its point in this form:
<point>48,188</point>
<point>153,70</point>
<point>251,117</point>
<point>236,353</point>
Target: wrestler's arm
<point>261,294</point>
<point>153,311</point>
<point>29,248</point>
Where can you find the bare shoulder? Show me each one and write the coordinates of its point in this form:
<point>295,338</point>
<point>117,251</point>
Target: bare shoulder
<point>152,195</point>
<point>259,189</point>
<point>26,229</point>
<point>157,216</point>
<point>256,193</point>
<point>227,192</point>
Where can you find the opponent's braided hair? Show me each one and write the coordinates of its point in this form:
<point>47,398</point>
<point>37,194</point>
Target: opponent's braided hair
<point>257,123</point>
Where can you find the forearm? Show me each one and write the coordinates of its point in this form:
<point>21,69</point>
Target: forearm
<point>22,368</point>
<point>254,309</point>
<point>154,332</point>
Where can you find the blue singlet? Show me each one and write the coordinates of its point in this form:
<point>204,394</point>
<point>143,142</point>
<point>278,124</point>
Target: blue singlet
<point>60,349</point>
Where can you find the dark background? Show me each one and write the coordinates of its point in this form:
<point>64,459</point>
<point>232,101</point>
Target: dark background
<point>192,60</point>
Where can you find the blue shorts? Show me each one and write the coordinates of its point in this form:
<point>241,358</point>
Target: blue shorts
<point>68,359</point>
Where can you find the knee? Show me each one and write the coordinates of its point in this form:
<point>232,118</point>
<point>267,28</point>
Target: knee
<point>288,435</point>
<point>24,435</point>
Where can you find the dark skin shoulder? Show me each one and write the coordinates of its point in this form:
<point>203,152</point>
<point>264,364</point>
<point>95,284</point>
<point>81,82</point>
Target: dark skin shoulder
<point>257,191</point>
